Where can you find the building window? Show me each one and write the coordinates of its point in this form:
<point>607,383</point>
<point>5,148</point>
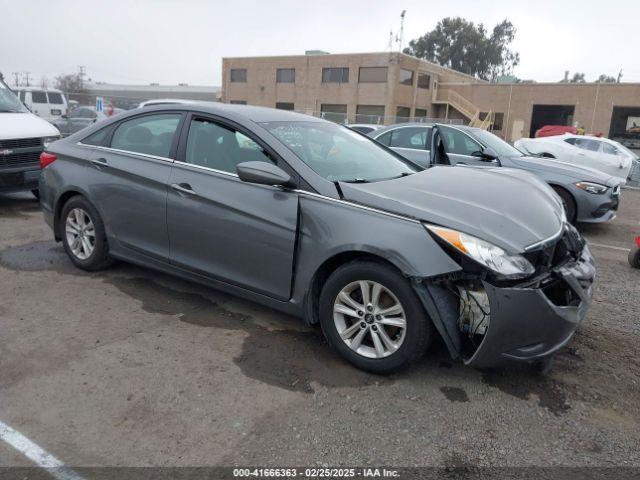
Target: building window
<point>403,114</point>
<point>335,75</point>
<point>498,120</point>
<point>406,77</point>
<point>420,113</point>
<point>238,75</point>
<point>424,80</point>
<point>372,75</point>
<point>284,105</point>
<point>370,114</point>
<point>286,75</point>
<point>238,102</point>
<point>335,113</point>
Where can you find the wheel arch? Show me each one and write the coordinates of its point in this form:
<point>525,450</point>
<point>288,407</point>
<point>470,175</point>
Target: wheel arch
<point>557,186</point>
<point>61,201</point>
<point>330,265</point>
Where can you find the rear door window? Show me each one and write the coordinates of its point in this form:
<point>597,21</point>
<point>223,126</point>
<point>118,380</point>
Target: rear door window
<point>38,97</point>
<point>55,98</point>
<point>150,134</point>
<point>586,144</point>
<point>416,138</point>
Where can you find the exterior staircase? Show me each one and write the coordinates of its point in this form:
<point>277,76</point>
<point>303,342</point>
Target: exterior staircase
<point>444,96</point>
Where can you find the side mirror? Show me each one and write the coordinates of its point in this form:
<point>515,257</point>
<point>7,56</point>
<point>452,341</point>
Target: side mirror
<point>264,173</point>
<point>489,154</point>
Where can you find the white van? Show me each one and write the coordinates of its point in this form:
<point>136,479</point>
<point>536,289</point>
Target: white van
<point>23,136</point>
<point>49,104</point>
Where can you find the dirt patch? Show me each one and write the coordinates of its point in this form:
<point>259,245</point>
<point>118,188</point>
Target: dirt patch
<point>522,383</point>
<point>38,256</point>
<point>455,394</point>
<point>289,359</point>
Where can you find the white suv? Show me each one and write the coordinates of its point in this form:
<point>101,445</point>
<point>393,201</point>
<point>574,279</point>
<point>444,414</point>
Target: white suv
<point>23,136</point>
<point>49,104</point>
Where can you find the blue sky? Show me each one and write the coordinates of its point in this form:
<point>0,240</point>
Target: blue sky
<point>171,41</point>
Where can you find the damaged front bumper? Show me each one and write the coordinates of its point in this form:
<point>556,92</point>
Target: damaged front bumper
<point>528,322</point>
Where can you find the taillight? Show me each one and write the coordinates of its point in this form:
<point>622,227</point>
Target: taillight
<point>46,159</point>
<point>638,241</point>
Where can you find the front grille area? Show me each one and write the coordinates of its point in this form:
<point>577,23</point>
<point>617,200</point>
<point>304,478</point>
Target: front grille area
<point>19,159</point>
<point>20,143</point>
<point>568,247</point>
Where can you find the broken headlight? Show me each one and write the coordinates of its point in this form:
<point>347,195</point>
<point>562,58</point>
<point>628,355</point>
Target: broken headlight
<point>485,253</point>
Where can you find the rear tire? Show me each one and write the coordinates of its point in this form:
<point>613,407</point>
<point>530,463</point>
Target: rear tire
<point>388,332</point>
<point>568,202</point>
<point>83,235</point>
<point>634,257</point>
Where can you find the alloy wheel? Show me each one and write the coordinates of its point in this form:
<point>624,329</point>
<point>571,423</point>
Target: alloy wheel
<point>81,233</point>
<point>369,319</point>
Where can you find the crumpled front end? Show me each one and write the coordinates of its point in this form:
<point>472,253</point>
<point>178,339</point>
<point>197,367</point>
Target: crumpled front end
<point>488,322</point>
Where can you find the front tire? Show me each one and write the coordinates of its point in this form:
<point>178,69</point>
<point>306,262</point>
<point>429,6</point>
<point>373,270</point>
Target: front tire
<point>370,314</point>
<point>634,257</point>
<point>83,235</point>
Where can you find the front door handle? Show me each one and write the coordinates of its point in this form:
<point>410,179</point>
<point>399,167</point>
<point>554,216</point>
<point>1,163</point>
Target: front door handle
<point>183,188</point>
<point>100,162</point>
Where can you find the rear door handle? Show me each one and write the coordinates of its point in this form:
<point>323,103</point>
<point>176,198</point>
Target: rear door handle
<point>183,188</point>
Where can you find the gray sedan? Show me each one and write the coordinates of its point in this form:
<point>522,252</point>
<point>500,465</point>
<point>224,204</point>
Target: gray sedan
<point>319,221</point>
<point>588,195</point>
<point>82,117</point>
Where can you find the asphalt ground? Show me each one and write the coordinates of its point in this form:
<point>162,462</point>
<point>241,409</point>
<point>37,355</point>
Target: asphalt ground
<point>129,367</point>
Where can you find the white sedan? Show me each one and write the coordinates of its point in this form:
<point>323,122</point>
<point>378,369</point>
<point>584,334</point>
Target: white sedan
<point>599,153</point>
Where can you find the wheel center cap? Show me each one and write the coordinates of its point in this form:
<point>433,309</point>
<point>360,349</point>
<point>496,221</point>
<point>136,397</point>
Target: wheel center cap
<point>368,318</point>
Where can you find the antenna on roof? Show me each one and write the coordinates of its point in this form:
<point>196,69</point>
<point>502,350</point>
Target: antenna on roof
<point>401,31</point>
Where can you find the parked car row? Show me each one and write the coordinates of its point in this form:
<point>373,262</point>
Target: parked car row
<point>316,220</point>
<point>588,195</point>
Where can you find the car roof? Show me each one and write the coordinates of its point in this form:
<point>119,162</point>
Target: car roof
<point>386,128</point>
<point>36,89</point>
<point>240,112</point>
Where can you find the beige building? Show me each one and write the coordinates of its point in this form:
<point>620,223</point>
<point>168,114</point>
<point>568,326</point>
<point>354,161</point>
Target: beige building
<point>392,87</point>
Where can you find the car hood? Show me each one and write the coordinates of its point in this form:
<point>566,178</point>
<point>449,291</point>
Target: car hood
<point>512,210</point>
<point>14,126</point>
<point>576,173</point>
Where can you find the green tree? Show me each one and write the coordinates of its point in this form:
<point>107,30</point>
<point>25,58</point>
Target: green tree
<point>606,79</point>
<point>464,46</point>
<point>577,78</point>
<point>69,83</point>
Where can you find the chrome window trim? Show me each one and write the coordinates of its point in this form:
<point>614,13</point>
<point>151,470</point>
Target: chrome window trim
<point>356,205</point>
<point>126,152</point>
<point>202,167</point>
<point>544,242</point>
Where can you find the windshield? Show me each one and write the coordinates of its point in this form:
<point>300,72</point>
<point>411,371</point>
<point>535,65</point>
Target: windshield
<point>627,151</point>
<point>501,147</point>
<point>339,154</point>
<point>9,102</point>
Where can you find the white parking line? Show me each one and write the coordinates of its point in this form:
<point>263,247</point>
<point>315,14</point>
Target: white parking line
<point>37,455</point>
<point>600,245</point>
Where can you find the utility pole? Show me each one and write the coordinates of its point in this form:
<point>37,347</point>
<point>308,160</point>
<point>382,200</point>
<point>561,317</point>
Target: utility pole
<point>27,80</point>
<point>16,78</point>
<point>81,74</point>
<point>401,31</point>
<point>619,76</point>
